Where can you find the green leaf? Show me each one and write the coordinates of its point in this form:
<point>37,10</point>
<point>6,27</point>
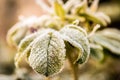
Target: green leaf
<point>96,52</point>
<point>59,10</point>
<point>47,54</point>
<point>77,37</point>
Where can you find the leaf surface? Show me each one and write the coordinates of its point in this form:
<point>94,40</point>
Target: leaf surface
<point>77,37</point>
<point>47,54</point>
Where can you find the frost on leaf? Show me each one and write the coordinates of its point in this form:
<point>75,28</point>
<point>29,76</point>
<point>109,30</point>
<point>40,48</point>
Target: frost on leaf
<point>21,29</point>
<point>77,37</point>
<point>109,39</point>
<point>47,53</point>
<point>111,33</point>
<point>25,45</point>
<point>24,48</point>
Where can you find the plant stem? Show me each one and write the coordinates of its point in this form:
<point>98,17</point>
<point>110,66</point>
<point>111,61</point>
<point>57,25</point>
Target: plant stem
<point>74,68</point>
<point>72,57</point>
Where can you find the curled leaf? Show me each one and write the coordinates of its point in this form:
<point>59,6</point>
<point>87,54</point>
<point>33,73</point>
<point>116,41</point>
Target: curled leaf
<point>77,37</point>
<point>47,54</point>
<point>24,48</point>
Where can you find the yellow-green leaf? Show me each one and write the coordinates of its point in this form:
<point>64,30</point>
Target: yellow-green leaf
<point>59,10</point>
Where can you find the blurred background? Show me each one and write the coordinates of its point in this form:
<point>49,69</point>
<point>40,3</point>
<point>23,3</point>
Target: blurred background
<point>10,10</point>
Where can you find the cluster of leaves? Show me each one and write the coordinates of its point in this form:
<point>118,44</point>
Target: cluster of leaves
<point>43,41</point>
<point>45,50</point>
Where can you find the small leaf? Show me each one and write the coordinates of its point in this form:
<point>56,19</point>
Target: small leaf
<point>77,37</point>
<point>59,10</point>
<point>47,54</point>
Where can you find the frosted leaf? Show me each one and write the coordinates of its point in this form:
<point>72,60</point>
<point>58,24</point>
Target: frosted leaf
<point>77,37</point>
<point>47,54</point>
<point>108,43</point>
<point>24,48</point>
<point>21,29</point>
<point>25,45</point>
<point>111,33</point>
